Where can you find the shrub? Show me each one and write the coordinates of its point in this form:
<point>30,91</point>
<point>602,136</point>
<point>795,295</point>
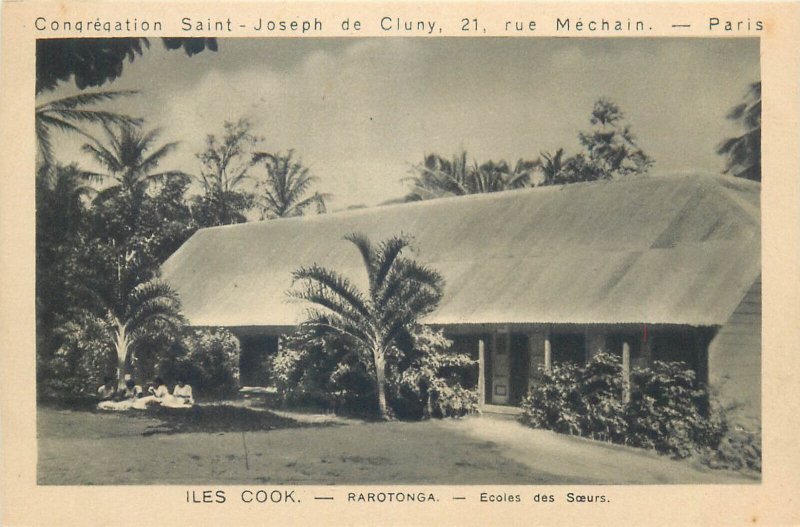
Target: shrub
<point>554,404</point>
<point>667,411</point>
<point>83,359</point>
<point>579,400</point>
<point>316,368</point>
<point>738,449</point>
<point>423,377</point>
<point>208,359</point>
<point>426,380</point>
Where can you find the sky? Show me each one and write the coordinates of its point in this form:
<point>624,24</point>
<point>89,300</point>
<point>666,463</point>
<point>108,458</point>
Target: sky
<point>362,112</point>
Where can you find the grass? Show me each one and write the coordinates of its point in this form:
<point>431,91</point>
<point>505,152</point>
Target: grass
<point>217,418</point>
<point>224,444</point>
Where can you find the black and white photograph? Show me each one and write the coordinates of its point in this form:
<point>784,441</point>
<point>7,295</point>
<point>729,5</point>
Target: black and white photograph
<point>398,261</point>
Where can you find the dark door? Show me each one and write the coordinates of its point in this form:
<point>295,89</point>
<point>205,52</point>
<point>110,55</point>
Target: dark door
<point>520,362</point>
<point>252,359</point>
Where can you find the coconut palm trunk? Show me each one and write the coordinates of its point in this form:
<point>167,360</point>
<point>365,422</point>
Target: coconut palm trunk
<point>121,345</point>
<point>380,384</point>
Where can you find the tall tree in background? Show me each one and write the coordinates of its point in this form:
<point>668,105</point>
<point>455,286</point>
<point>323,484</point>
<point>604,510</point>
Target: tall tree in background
<point>282,193</point>
<point>551,166</point>
<point>610,146</point>
<point>743,153</point>
<point>401,292</point>
<point>61,225</point>
<point>130,157</point>
<point>226,165</point>
<point>438,177</point>
<point>609,151</point>
<point>494,176</point>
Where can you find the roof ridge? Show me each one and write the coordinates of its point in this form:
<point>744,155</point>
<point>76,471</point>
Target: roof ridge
<point>486,196</point>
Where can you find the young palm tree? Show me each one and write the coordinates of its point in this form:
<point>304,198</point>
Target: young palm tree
<point>401,292</point>
<point>70,114</point>
<point>282,194</point>
<point>133,313</point>
<point>744,152</point>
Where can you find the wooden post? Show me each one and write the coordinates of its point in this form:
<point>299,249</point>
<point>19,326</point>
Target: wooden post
<point>481,374</point>
<point>548,353</point>
<point>626,372</point>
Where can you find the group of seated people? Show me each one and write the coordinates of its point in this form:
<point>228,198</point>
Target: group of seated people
<point>131,395</point>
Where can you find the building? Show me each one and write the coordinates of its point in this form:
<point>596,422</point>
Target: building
<point>666,268</point>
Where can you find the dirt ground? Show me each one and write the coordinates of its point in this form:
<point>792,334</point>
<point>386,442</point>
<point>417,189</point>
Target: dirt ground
<point>80,447</point>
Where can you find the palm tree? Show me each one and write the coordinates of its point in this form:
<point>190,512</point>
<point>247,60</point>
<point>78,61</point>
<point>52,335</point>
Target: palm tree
<point>282,194</point>
<point>552,166</point>
<point>401,292</point>
<point>70,114</point>
<point>130,156</point>
<point>437,177</point>
<point>744,152</point>
<point>497,177</point>
<point>134,311</point>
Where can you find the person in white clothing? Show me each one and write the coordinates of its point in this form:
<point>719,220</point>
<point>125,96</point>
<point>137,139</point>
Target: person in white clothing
<point>107,390</point>
<point>183,393</point>
<point>125,399</point>
<point>159,394</point>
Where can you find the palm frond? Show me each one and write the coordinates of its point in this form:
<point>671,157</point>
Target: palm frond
<point>339,285</point>
<point>386,257</point>
<point>87,99</point>
<point>364,246</point>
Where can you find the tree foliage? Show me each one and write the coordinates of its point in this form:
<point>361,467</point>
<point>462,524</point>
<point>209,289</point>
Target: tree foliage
<point>743,153</point>
<point>283,192</point>
<point>424,377</point>
<point>609,150</point>
<point>400,292</point>
<point>438,177</point>
<point>73,114</point>
<point>94,61</point>
<point>225,168</point>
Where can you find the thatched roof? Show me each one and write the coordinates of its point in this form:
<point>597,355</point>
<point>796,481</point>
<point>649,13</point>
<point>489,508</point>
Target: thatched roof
<point>672,250</point>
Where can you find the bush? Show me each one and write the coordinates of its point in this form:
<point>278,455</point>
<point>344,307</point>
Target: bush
<point>208,359</point>
<point>426,380</point>
<point>86,355</point>
<point>667,411</point>
<point>579,400</point>
<point>317,368</point>
<point>423,378</point>
<point>738,449</point>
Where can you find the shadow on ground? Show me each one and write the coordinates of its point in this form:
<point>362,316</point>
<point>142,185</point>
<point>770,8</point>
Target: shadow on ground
<point>218,418</point>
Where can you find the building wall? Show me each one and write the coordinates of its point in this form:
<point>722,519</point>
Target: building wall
<point>735,359</point>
